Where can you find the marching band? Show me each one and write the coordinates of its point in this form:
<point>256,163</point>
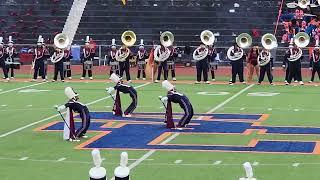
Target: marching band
<point>259,60</point>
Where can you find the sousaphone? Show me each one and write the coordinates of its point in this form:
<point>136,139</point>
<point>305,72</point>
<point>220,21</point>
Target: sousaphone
<point>244,40</point>
<point>166,40</point>
<point>128,38</point>
<point>207,38</point>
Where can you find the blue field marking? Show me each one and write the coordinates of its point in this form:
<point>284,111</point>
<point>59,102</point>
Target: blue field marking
<point>137,133</point>
<point>137,116</point>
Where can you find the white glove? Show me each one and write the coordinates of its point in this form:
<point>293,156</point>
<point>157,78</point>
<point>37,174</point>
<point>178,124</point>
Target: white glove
<point>164,100</point>
<point>272,68</point>
<point>283,66</point>
<point>60,108</point>
<point>109,90</point>
<point>160,97</point>
<point>310,68</point>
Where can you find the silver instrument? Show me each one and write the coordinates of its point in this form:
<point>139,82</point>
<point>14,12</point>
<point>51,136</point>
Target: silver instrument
<point>207,38</point>
<point>128,38</point>
<point>303,3</point>
<point>61,41</point>
<point>57,56</point>
<point>244,40</point>
<point>88,65</point>
<point>264,57</point>
<point>166,40</point>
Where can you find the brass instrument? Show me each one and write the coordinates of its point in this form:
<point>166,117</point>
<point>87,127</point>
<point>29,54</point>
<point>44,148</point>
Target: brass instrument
<point>57,56</point>
<point>201,52</point>
<point>61,41</point>
<point>128,38</point>
<point>244,40</point>
<point>264,57</point>
<point>166,39</point>
<point>269,41</point>
<point>302,39</point>
<point>303,3</point>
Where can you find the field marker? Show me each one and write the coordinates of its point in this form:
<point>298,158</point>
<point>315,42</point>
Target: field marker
<point>137,159</point>
<point>241,109</point>
<point>255,163</point>
<point>217,163</point>
<point>61,159</point>
<point>23,158</point>
<point>30,105</point>
<point>296,110</point>
<point>149,153</point>
<point>3,92</point>
<point>178,161</point>
<point>295,164</point>
<point>269,109</point>
<point>56,115</point>
<point>4,105</point>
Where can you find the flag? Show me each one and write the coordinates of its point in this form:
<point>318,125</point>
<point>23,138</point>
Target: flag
<point>151,67</point>
<point>124,2</point>
<point>117,105</point>
<point>68,129</point>
<point>169,119</point>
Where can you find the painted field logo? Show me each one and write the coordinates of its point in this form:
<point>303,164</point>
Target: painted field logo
<point>146,131</point>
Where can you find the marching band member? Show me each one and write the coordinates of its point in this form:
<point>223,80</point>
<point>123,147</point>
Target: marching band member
<point>126,89</point>
<point>171,62</point>
<point>202,62</point>
<point>56,58</point>
<point>88,54</point>
<point>112,58</point>
<point>294,57</point>
<point>38,62</point>
<point>315,62</point>
<point>265,62</point>
<point>2,60</point>
<point>11,54</point>
<point>252,62</point>
<point>67,61</point>
<point>75,106</point>
<point>212,55</point>
<point>47,55</point>
<point>142,55</point>
<point>124,54</point>
<point>162,65</point>
<point>237,63</point>
<point>176,97</point>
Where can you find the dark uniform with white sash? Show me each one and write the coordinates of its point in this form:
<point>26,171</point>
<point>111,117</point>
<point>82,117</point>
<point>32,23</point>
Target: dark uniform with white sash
<point>11,54</point>
<point>83,111</point>
<point>142,55</point>
<point>127,89</point>
<point>40,57</point>
<point>67,63</point>
<point>2,62</point>
<point>87,57</point>
<point>183,101</point>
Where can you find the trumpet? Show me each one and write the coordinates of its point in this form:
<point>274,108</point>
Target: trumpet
<point>166,40</point>
<point>201,52</point>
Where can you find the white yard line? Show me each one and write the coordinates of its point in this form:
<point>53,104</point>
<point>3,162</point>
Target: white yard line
<point>216,163</point>
<point>7,91</point>
<point>149,153</point>
<point>178,161</point>
<point>56,115</point>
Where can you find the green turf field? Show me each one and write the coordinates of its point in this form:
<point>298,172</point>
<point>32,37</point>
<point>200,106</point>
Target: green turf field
<point>27,154</point>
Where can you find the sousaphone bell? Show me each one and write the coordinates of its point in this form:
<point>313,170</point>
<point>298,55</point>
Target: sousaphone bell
<point>61,41</point>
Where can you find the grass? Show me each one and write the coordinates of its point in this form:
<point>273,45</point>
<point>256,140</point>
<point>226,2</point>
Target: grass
<point>294,106</point>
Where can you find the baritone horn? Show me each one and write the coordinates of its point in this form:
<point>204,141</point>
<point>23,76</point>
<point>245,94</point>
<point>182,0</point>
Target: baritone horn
<point>207,37</point>
<point>61,41</point>
<point>269,41</point>
<point>244,40</point>
<point>303,3</point>
<point>302,39</point>
<point>128,38</point>
<point>167,38</point>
